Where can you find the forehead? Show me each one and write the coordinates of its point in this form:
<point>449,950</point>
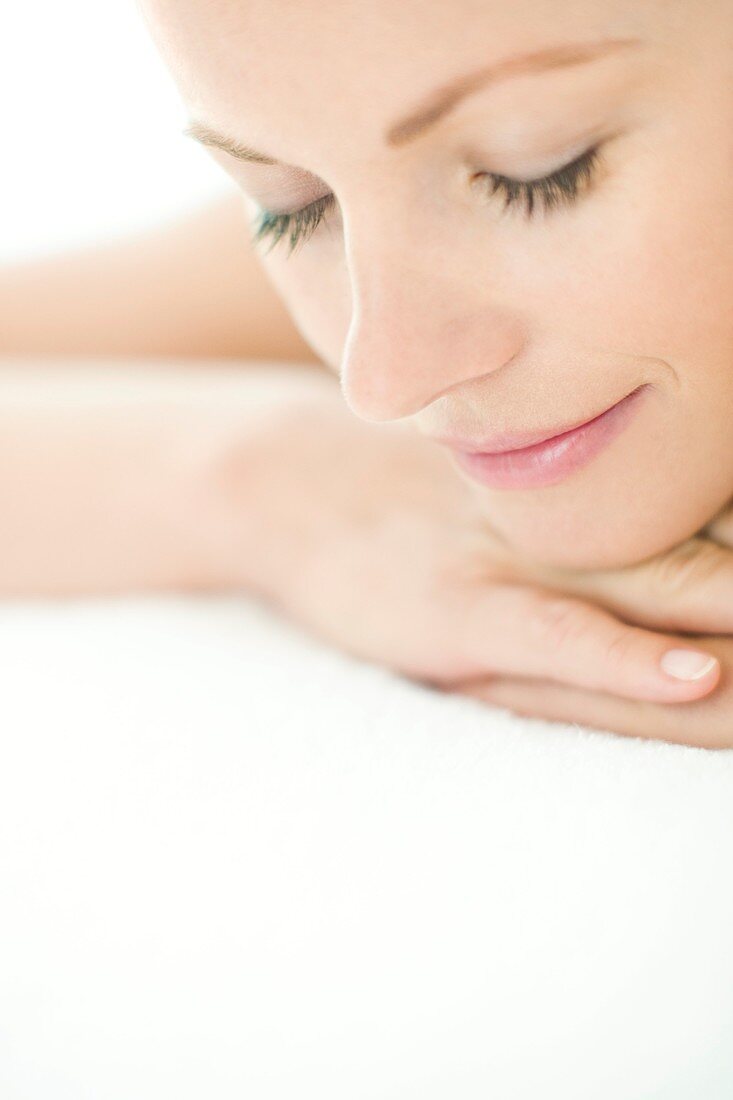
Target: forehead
<point>287,75</point>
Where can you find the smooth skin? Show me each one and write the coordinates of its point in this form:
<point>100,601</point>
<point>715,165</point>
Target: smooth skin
<point>437,305</point>
<point>392,563</point>
<point>384,554</point>
<point>438,311</point>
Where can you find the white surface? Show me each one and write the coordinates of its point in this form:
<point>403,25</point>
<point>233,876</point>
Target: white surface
<point>235,863</point>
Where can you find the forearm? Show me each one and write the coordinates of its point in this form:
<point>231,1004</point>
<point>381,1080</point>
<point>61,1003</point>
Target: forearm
<point>117,477</point>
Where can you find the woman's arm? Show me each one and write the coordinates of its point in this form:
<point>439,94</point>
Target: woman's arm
<point>117,477</point>
<point>191,288</point>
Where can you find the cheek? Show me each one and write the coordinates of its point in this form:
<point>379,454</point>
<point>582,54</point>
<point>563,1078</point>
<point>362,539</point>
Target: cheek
<point>646,271</point>
<point>647,281</point>
<point>315,289</point>
<point>663,288</point>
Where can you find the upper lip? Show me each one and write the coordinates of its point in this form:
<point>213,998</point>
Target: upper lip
<point>513,441</point>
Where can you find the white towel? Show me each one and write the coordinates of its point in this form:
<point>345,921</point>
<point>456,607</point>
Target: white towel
<point>237,863</point>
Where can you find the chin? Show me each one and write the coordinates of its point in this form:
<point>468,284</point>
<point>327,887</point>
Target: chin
<point>610,531</point>
<point>614,551</point>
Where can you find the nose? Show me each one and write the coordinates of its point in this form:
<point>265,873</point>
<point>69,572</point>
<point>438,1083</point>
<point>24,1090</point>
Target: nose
<point>416,333</point>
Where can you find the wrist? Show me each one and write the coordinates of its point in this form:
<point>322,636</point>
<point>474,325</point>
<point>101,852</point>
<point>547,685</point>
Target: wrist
<point>116,476</point>
<point>256,502</point>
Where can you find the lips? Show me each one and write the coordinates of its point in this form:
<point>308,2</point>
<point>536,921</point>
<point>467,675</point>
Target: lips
<point>501,442</point>
<point>531,460</point>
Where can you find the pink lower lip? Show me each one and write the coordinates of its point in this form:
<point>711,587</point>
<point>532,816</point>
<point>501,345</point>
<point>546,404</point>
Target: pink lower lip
<point>554,459</point>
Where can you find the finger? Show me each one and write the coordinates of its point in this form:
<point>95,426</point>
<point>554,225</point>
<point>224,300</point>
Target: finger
<point>525,631</point>
<point>688,588</point>
<point>720,529</point>
<point>704,724</point>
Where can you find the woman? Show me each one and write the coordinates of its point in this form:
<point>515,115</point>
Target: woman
<point>495,225</point>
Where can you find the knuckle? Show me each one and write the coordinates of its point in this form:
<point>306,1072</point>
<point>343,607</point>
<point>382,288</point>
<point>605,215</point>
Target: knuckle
<point>620,650</point>
<point>557,622</point>
<point>685,567</point>
<point>720,527</point>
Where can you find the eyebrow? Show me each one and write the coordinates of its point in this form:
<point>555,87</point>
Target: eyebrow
<point>199,131</point>
<point>446,98</point>
<point>450,95</point>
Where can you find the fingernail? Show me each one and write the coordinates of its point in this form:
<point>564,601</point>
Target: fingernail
<point>687,664</point>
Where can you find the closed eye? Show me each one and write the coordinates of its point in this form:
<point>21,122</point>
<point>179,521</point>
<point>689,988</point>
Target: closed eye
<point>295,226</point>
<point>559,188</point>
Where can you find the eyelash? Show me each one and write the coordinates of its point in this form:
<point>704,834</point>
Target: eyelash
<point>297,226</point>
<point>560,188</point>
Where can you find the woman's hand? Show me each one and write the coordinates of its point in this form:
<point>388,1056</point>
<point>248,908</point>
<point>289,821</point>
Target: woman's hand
<point>699,565</point>
<point>391,561</point>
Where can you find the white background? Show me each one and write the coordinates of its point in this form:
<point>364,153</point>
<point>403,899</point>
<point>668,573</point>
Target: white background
<point>234,863</point>
<point>91,128</point>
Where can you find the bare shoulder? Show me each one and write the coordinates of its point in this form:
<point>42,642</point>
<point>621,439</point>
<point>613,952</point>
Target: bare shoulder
<point>190,287</point>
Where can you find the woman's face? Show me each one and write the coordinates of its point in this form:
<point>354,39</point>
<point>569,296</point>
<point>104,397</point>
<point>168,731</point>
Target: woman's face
<point>441,300</point>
